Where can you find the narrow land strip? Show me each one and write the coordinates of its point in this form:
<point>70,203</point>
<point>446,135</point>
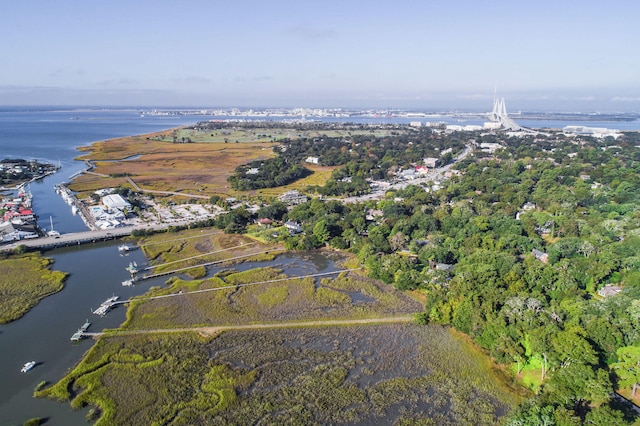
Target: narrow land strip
<point>211,331</point>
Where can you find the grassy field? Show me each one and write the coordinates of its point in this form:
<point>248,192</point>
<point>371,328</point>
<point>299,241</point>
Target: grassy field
<point>208,245</point>
<point>241,135</point>
<point>196,168</point>
<point>283,300</point>
<point>391,374</point>
<point>201,167</point>
<point>272,302</point>
<point>26,279</point>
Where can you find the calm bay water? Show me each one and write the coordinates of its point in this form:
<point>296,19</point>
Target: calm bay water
<point>96,271</point>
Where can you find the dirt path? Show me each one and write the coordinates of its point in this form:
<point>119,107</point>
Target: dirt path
<point>212,331</point>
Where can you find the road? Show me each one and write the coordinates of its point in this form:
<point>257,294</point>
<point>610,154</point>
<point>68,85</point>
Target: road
<point>432,176</point>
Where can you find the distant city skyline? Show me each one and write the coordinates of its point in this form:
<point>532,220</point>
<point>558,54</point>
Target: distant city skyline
<point>544,55</point>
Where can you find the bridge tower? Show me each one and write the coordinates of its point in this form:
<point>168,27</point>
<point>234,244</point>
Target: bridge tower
<point>499,115</point>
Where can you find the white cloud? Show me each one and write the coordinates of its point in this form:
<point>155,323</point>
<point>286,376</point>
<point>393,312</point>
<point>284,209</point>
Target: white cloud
<point>625,99</point>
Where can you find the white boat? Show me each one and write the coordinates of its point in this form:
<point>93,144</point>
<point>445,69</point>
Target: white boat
<point>127,283</point>
<point>106,306</point>
<point>28,366</point>
<point>132,268</point>
<point>53,232</point>
<point>111,300</point>
<point>124,248</point>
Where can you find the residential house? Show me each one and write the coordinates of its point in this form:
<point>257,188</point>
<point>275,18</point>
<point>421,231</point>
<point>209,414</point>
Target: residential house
<point>293,227</point>
<point>540,255</point>
<point>609,290</point>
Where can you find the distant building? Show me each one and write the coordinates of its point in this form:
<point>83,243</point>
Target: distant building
<point>114,202</point>
<point>312,160</point>
<point>490,147</point>
<point>266,222</point>
<point>14,232</point>
<point>596,132</point>
<point>408,174</point>
<point>293,197</point>
<point>431,162</point>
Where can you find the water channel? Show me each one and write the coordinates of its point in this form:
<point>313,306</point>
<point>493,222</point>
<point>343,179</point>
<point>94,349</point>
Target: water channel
<point>96,271</point>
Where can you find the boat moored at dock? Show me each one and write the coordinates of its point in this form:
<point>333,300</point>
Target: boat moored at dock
<point>125,248</point>
<point>132,268</point>
<point>106,306</point>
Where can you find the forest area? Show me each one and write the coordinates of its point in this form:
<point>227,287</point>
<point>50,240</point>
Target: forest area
<point>533,251</point>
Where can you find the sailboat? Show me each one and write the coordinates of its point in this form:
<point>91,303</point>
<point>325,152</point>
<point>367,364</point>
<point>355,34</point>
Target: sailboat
<point>52,233</point>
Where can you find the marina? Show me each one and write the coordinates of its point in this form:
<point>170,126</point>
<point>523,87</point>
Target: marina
<point>91,259</point>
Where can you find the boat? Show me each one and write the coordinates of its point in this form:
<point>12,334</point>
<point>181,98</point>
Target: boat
<point>28,366</point>
<point>110,300</point>
<point>127,283</point>
<point>106,306</point>
<point>132,268</point>
<point>124,248</point>
<point>74,210</point>
<point>102,310</point>
<point>85,326</point>
<point>53,232</point>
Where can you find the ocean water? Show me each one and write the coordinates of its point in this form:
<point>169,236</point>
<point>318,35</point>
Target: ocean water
<point>53,135</point>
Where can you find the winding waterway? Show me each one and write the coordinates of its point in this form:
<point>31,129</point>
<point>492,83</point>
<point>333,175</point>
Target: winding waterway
<point>96,271</point>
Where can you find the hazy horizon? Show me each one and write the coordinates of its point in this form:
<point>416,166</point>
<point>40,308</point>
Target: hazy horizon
<point>540,56</point>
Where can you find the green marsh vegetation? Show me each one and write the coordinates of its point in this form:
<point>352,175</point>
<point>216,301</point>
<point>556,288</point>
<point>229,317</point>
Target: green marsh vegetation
<point>287,299</point>
<point>197,246</point>
<point>26,279</point>
<point>343,375</point>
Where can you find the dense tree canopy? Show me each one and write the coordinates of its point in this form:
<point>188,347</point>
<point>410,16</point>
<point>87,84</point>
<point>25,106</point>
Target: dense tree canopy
<point>513,252</point>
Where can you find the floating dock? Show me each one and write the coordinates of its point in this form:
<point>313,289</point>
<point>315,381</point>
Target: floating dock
<point>79,335</point>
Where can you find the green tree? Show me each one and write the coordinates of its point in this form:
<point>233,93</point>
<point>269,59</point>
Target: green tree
<point>628,367</point>
<point>321,231</point>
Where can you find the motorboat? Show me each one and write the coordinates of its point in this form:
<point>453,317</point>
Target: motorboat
<point>28,366</point>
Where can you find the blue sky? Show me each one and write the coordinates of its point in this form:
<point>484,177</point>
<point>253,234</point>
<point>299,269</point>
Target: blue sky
<point>555,55</point>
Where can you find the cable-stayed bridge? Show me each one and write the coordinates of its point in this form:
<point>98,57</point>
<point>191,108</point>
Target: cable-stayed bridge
<point>499,115</point>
